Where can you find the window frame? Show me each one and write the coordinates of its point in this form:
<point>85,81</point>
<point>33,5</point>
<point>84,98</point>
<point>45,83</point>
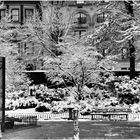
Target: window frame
<point>79,18</point>
<point>15,15</point>
<point>101,17</point>
<point>125,53</point>
<point>27,16</point>
<point>26,7</point>
<point>22,48</point>
<point>2,16</point>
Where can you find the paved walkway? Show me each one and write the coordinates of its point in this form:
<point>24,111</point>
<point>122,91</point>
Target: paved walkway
<point>88,130</point>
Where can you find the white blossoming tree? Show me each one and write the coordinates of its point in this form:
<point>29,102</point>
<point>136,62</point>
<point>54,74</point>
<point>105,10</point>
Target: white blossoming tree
<point>67,58</point>
<point>121,29</point>
<point>15,79</point>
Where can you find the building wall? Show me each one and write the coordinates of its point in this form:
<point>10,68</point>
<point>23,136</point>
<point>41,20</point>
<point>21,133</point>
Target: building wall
<point>69,9</point>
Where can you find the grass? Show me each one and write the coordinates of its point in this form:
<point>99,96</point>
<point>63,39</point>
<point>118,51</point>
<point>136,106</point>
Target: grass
<point>88,130</point>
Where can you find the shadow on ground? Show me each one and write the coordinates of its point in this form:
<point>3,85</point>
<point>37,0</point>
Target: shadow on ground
<point>20,128</point>
<point>88,130</point>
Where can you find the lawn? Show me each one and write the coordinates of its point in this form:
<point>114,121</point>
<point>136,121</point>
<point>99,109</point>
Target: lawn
<point>88,129</point>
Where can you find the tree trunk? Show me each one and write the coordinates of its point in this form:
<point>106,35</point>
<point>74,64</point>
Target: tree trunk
<point>129,8</point>
<point>76,124</point>
<point>79,88</point>
<point>132,60</point>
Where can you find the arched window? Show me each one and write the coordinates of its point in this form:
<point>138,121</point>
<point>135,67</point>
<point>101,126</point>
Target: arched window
<point>81,18</point>
<point>29,67</point>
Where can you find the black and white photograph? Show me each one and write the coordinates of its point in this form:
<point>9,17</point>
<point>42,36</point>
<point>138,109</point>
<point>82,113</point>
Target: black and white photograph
<point>69,69</point>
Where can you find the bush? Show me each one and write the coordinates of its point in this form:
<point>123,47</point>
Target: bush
<point>85,107</point>
<point>11,104</point>
<point>59,107</point>
<point>43,107</point>
<point>128,90</point>
<point>28,102</point>
<point>15,95</point>
<point>135,108</point>
<point>21,103</point>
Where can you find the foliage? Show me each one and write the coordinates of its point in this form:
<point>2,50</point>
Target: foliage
<point>128,90</point>
<point>86,107</point>
<point>15,78</point>
<point>66,58</point>
<point>48,95</point>
<point>120,29</point>
<point>59,107</point>
<point>43,107</point>
<point>42,35</point>
<point>17,101</point>
<point>135,108</point>
<point>80,64</point>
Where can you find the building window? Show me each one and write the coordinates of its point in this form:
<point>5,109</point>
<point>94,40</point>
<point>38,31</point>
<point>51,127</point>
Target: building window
<point>26,48</point>
<point>55,2</point>
<point>101,18</point>
<point>15,15</point>
<point>29,13</point>
<point>19,48</point>
<point>81,18</point>
<point>80,1</point>
<point>22,48</point>
<point>2,13</point>
<point>125,53</point>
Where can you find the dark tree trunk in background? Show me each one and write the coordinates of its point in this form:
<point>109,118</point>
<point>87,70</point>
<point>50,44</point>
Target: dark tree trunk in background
<point>132,60</point>
<point>129,8</point>
<point>2,94</point>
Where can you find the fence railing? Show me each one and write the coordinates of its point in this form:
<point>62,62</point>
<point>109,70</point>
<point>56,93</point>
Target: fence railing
<point>39,116</point>
<point>47,116</point>
<point>134,117</point>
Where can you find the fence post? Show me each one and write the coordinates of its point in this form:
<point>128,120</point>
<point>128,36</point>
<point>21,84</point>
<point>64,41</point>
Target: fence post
<point>70,113</point>
<point>2,93</point>
<point>76,124</point>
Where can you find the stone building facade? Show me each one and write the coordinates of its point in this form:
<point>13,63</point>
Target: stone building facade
<point>85,13</point>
